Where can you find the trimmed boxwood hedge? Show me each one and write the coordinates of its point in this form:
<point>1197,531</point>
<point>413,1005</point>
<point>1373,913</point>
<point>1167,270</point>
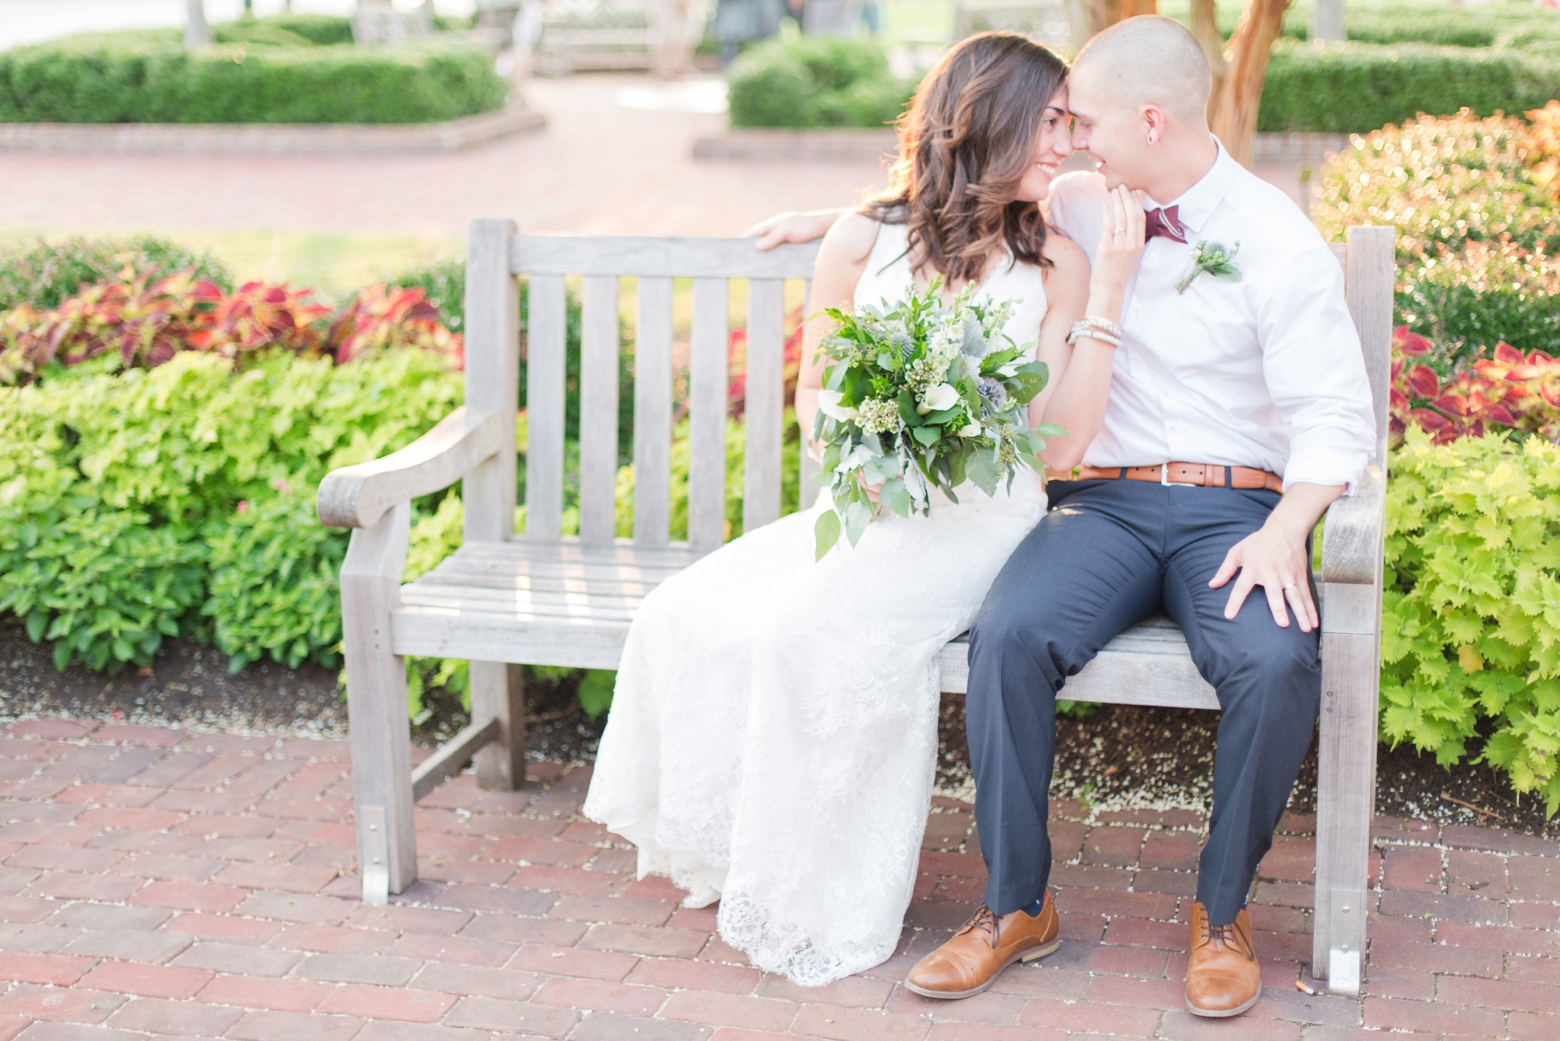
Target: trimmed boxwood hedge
<point>815,81</point>
<point>1355,87</point>
<point>148,77</point>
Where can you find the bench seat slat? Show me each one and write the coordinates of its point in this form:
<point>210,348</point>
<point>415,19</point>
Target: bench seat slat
<point>571,604</point>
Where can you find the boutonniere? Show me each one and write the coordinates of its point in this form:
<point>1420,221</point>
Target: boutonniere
<point>1214,259</point>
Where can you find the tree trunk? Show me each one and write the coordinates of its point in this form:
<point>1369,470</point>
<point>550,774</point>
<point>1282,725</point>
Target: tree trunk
<point>196,34</point>
<point>1205,27</point>
<point>1234,116</point>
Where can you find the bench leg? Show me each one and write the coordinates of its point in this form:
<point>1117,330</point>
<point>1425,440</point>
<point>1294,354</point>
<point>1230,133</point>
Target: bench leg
<point>1345,805</point>
<point>498,692</point>
<point>376,707</point>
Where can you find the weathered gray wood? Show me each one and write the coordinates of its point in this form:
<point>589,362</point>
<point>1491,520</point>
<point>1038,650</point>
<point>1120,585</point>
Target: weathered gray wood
<point>1148,664</point>
<point>1368,282</point>
<point>653,412</point>
<point>451,757</point>
<point>808,486</point>
<point>1352,564</point>
<point>545,361</point>
<point>598,409</point>
<point>357,496</point>
<point>764,402</point>
<point>1345,804</point>
<point>683,258</point>
<point>492,377</point>
<point>707,386</point>
<point>376,704</point>
<point>1352,537</point>
<point>498,695</point>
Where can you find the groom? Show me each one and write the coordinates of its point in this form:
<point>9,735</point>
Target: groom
<point>1238,411</point>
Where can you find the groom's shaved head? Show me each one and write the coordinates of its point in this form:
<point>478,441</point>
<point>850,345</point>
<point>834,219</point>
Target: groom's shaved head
<point>1148,60</point>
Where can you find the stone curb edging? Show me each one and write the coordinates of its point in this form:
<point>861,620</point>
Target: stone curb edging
<point>269,138</point>
<point>849,144</point>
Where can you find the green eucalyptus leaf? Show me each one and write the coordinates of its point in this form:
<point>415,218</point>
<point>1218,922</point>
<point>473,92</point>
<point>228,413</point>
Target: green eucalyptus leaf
<point>895,496</point>
<point>826,532</point>
<point>857,516</point>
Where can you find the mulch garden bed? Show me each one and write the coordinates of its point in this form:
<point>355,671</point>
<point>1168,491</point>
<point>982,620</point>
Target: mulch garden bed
<point>1119,756</point>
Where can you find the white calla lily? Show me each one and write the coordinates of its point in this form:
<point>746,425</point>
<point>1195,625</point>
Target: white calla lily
<point>970,430</point>
<point>829,405</point>
<point>940,396</point>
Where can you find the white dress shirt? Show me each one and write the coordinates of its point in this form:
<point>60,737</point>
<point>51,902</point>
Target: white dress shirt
<point>1265,372</point>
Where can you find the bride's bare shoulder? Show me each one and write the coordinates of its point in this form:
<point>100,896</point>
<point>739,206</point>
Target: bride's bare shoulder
<point>843,254</point>
<point>1067,258</point>
<point>851,238</point>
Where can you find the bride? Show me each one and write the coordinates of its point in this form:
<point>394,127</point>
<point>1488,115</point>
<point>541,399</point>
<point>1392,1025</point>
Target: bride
<point>773,733</point>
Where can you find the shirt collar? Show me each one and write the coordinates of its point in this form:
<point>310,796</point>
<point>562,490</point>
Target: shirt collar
<point>1197,203</point>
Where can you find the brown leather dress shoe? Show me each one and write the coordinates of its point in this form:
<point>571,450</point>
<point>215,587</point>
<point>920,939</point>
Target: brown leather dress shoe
<point>1223,978</point>
<point>971,961</point>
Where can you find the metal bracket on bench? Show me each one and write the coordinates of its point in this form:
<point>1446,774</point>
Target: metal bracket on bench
<point>1345,957</point>
<point>375,851</point>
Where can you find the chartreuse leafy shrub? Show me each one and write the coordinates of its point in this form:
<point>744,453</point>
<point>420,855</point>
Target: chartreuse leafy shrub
<point>1471,618</point>
<point>44,273</point>
<point>178,501</point>
<point>815,81</point>
<point>147,76</point>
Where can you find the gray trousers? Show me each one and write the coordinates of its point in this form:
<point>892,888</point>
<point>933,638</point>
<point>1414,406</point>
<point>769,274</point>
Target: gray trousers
<point>1109,554</point>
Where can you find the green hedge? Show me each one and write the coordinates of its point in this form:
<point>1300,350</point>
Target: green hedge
<point>1357,87</point>
<point>815,81</point>
<point>148,77</point>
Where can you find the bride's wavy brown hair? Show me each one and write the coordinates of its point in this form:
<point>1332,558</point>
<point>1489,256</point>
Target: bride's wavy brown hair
<point>966,141</point>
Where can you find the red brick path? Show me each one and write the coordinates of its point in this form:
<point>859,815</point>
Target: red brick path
<point>154,882</point>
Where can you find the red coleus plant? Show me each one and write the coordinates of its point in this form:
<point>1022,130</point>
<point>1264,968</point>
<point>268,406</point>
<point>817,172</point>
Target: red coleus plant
<point>145,322</point>
<point>1512,390</point>
<point>148,322</point>
<point>257,316</point>
<point>380,318</point>
<point>736,365</point>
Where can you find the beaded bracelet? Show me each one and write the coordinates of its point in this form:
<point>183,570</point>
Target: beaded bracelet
<point>1085,330</point>
<point>1103,324</point>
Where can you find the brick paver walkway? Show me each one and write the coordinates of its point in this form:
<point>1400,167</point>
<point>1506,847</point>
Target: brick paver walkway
<point>156,882</point>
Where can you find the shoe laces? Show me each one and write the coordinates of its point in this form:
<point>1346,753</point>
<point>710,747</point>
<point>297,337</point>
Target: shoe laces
<point>1228,935</point>
<point>984,920</point>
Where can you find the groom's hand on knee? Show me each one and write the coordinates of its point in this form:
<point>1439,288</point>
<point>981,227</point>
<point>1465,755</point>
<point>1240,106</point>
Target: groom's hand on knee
<point>1280,565</point>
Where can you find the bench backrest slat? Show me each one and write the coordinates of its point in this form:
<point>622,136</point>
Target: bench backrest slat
<point>640,257</point>
<point>598,408</point>
<point>653,412</point>
<point>764,401</point>
<point>707,387</point>
<point>544,404</point>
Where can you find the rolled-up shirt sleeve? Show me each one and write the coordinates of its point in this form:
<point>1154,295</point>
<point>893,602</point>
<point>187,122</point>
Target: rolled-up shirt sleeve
<point>1315,372</point>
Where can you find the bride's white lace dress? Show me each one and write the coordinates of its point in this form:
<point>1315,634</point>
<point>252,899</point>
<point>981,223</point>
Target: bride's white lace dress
<point>773,734</point>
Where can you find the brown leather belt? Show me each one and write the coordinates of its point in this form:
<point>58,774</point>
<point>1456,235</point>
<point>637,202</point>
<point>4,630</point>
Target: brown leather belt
<point>1200,475</point>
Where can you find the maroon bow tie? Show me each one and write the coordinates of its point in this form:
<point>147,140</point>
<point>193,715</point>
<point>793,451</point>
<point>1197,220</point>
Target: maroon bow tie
<point>1163,222</point>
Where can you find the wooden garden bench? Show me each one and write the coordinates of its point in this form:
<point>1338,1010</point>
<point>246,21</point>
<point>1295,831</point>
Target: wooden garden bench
<point>544,599</point>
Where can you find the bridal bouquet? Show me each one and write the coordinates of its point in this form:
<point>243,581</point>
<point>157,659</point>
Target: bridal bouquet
<point>928,394</point>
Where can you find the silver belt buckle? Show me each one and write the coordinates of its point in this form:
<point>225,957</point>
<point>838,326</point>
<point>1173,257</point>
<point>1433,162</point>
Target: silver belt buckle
<point>1164,479</point>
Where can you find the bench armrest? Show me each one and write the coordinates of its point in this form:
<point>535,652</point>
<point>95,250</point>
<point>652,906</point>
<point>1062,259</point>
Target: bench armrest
<point>357,496</point>
<point>1351,539</point>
